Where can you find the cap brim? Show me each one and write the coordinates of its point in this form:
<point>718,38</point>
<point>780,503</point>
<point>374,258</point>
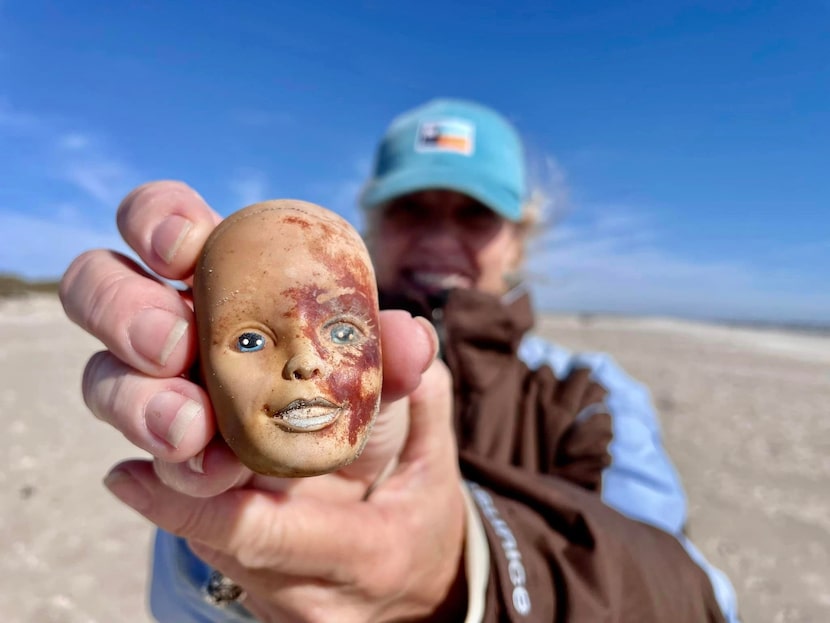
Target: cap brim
<point>382,190</point>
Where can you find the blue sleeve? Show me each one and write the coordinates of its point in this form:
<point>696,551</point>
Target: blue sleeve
<point>641,482</point>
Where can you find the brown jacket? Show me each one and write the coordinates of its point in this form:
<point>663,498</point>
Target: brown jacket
<point>533,448</point>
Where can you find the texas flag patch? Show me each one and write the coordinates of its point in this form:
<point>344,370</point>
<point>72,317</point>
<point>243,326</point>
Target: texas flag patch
<point>447,135</point>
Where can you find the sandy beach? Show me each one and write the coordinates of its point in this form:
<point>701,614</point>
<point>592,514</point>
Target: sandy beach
<point>744,413</point>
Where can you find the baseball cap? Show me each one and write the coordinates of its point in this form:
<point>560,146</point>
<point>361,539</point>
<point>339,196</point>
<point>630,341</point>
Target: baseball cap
<point>450,144</point>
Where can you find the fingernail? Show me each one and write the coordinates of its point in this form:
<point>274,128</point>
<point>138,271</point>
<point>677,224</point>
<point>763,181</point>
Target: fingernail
<point>169,415</point>
<point>168,237</point>
<point>431,334</point>
<point>197,463</point>
<point>154,333</point>
<point>127,489</point>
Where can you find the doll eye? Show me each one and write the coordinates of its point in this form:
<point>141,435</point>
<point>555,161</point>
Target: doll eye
<point>344,333</point>
<point>250,342</point>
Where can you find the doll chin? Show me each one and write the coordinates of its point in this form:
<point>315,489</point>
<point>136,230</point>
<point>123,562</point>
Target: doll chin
<point>294,470</point>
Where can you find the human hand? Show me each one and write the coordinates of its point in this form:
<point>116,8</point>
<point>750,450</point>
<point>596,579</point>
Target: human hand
<point>139,384</point>
<point>305,557</point>
<point>139,387</point>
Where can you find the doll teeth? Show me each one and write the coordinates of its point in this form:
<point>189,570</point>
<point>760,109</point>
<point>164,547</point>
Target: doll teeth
<point>307,415</point>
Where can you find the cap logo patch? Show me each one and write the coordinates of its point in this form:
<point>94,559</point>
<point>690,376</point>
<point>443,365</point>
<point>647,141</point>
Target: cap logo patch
<point>446,135</point>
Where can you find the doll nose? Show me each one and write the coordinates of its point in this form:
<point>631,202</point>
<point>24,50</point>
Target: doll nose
<point>303,366</point>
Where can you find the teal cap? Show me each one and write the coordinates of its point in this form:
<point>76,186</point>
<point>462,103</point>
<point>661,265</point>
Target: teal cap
<point>450,145</point>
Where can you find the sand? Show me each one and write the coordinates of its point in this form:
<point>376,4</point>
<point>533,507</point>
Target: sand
<point>744,412</point>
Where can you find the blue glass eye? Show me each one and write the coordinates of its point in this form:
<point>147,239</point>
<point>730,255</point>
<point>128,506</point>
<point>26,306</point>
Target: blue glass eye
<point>250,342</point>
<point>343,333</point>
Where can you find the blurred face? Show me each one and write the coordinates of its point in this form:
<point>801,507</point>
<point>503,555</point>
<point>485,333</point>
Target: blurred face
<point>432,241</point>
<point>290,348</point>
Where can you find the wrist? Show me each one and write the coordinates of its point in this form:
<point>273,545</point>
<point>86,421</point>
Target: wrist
<point>454,605</point>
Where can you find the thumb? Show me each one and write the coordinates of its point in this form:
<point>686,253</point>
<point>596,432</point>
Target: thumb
<point>409,347</point>
<point>431,435</point>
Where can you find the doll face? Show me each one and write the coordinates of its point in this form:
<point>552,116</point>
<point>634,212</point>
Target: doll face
<point>287,312</point>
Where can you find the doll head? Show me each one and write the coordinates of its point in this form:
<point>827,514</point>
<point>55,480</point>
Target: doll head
<point>287,313</point>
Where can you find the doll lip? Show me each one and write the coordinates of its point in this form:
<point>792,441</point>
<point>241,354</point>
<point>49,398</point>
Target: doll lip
<point>305,416</point>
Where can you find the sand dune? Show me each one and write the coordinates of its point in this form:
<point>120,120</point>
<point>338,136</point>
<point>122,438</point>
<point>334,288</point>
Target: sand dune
<point>744,413</point>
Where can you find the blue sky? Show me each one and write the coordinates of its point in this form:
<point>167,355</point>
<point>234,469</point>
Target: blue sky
<point>685,145</point>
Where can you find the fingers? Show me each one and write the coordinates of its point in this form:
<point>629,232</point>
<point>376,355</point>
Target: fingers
<point>409,346</point>
<point>428,461</point>
<point>212,471</point>
<point>431,433</point>
<point>167,224</point>
<point>406,537</point>
<point>143,322</point>
<point>146,324</point>
<point>170,418</point>
<point>259,529</point>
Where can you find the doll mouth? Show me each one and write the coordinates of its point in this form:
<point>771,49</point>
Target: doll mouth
<point>305,416</point>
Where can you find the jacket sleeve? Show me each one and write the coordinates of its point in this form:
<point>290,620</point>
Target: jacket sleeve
<point>641,481</point>
<point>577,427</point>
<point>557,553</point>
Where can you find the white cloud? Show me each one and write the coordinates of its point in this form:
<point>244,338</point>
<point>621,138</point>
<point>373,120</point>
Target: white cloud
<point>248,186</point>
<point>617,264</point>
<point>43,244</point>
<point>14,120</point>
<point>84,161</point>
<point>341,195</point>
<point>74,141</point>
<point>37,247</point>
<point>105,181</point>
<point>79,158</point>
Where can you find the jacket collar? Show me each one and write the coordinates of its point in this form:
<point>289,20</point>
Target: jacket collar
<point>479,333</point>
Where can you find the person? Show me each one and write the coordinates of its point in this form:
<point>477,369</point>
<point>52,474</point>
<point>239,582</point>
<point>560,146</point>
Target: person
<point>508,503</point>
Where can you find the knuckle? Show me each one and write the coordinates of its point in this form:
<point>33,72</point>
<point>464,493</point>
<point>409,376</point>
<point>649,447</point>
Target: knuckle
<point>115,394</point>
<point>106,387</point>
<point>104,294</point>
<point>164,244</point>
<point>91,382</point>
<point>90,286</point>
<point>259,545</point>
<point>323,613</point>
<point>250,557</point>
<point>138,200</point>
<point>127,205</point>
<point>147,202</point>
<point>258,550</point>
<point>69,289</point>
<point>190,520</point>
